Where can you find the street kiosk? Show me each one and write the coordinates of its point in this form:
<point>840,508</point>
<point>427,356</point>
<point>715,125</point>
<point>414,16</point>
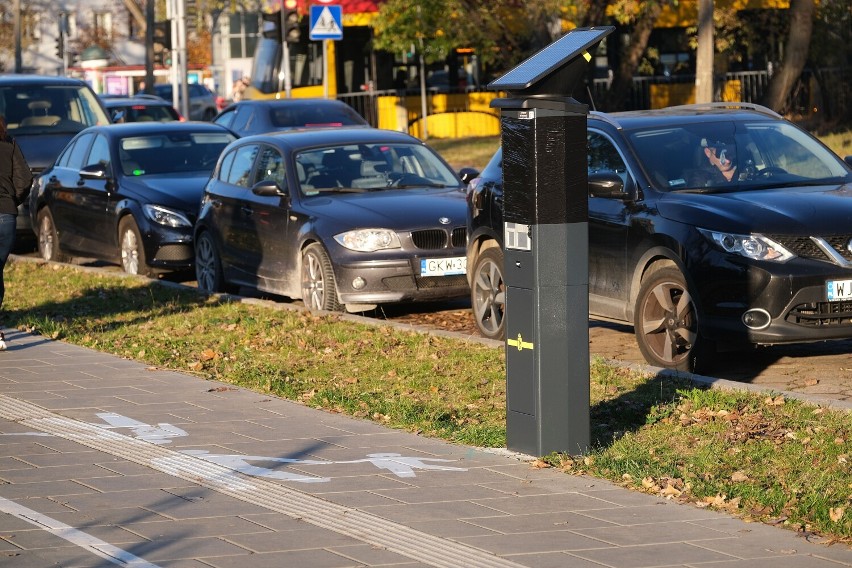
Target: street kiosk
<point>545,214</point>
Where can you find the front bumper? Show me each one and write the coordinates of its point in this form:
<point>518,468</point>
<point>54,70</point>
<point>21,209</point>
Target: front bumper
<point>396,280</point>
<point>792,295</point>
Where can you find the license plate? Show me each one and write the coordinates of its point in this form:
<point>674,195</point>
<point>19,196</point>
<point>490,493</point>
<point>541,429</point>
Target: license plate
<point>839,290</point>
<point>443,266</point>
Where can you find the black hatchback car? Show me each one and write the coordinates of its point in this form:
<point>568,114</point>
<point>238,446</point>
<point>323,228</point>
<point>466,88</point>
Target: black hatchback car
<point>340,218</point>
<point>710,226</point>
<point>248,117</point>
<point>127,193</point>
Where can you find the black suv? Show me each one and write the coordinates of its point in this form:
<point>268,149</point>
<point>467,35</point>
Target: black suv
<point>710,226</point>
<point>42,114</point>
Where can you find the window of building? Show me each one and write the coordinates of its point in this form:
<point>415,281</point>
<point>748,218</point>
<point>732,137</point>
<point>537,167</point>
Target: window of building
<point>243,29</point>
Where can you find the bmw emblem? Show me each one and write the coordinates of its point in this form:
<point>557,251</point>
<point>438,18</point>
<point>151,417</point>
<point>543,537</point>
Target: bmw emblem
<point>444,220</point>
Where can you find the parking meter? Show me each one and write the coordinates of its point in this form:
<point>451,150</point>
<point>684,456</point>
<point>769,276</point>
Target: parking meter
<point>545,245</point>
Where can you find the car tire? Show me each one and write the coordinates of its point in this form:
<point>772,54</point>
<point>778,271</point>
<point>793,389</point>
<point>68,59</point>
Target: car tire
<point>488,294</point>
<point>130,247</point>
<point>48,238</point>
<point>319,290</point>
<point>208,266</point>
<point>666,322</point>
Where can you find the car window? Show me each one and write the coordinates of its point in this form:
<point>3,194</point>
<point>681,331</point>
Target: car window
<point>50,108</point>
<point>242,116</point>
<point>171,152</point>
<point>226,118</point>
<point>80,151</point>
<point>315,115</point>
<point>270,166</point>
<point>372,166</point>
<point>99,154</point>
<point>603,156</point>
<point>240,171</point>
<point>227,162</point>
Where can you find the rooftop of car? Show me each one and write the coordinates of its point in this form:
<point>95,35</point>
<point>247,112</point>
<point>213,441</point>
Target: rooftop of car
<point>134,100</point>
<point>307,137</point>
<point>684,114</point>
<point>25,79</point>
<point>141,128</point>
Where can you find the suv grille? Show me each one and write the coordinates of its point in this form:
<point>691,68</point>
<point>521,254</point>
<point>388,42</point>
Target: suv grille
<point>822,314</point>
<point>805,247</point>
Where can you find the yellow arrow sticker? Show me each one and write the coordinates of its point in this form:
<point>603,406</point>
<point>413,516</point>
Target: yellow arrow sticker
<point>520,343</point>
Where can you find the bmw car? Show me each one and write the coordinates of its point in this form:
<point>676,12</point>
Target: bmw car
<point>127,193</point>
<point>248,117</point>
<point>341,219</point>
<point>710,227</point>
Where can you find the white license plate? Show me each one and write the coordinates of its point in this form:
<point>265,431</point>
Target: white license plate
<point>839,290</point>
<point>443,266</point>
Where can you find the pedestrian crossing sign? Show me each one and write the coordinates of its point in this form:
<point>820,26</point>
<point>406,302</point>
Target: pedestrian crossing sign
<point>326,22</point>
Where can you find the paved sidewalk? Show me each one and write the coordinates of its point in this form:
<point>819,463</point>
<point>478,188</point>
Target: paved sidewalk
<point>106,462</point>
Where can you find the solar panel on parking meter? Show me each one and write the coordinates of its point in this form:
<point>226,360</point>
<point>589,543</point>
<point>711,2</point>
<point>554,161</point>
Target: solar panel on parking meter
<point>545,214</point>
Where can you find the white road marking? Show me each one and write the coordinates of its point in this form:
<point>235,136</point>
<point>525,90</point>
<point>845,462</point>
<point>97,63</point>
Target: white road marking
<point>74,536</point>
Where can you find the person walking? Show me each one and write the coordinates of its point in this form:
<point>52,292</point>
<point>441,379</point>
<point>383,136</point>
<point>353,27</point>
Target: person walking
<point>15,183</point>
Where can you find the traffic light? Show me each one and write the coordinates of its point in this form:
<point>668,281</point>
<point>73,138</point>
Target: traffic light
<point>60,46</point>
<point>291,27</point>
<point>271,28</point>
<point>163,34</point>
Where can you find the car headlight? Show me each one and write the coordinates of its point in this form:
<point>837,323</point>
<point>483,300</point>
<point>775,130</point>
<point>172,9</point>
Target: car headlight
<point>167,217</point>
<point>368,240</point>
<point>754,246</point>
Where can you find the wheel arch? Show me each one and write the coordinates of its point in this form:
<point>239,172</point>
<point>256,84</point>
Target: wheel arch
<point>654,259</point>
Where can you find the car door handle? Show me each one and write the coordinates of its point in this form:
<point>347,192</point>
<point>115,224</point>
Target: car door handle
<point>247,210</point>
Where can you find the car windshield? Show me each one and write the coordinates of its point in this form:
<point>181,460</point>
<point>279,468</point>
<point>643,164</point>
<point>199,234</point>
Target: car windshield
<point>171,152</point>
<point>314,115</point>
<point>49,108</point>
<point>372,167</point>
<point>721,156</point>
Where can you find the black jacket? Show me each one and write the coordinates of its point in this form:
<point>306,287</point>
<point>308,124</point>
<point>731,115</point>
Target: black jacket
<point>15,177</point>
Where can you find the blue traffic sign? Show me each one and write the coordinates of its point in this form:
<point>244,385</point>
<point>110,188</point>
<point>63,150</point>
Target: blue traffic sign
<point>326,22</point>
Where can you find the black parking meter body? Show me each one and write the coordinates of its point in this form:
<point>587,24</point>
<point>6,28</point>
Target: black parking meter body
<point>545,242</point>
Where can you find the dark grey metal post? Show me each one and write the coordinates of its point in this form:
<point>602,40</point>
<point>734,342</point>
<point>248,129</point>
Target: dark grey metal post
<point>545,213</point>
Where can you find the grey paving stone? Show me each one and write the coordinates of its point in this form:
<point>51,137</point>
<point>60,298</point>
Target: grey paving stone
<point>433,511</point>
<point>658,533</point>
<point>651,514</point>
<point>66,558</point>
<point>451,528</point>
<point>554,541</point>
<point>367,555</point>
<point>559,521</point>
<point>57,490</point>
<point>552,560</point>
<point>526,504</point>
<point>197,548</point>
<point>50,473</point>
<point>203,527</point>
<point>652,555</point>
<point>54,459</point>
<point>308,538</point>
<point>300,558</point>
<point>123,483</point>
<point>439,494</point>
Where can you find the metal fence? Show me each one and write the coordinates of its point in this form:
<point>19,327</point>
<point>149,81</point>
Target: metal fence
<point>824,92</point>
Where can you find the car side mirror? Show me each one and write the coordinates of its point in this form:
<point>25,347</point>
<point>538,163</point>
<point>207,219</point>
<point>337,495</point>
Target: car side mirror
<point>606,184</point>
<point>94,171</point>
<point>848,160</point>
<point>467,174</point>
<point>268,188</point>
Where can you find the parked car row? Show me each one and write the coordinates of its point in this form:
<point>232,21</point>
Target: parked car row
<point>709,227</point>
<point>343,218</point>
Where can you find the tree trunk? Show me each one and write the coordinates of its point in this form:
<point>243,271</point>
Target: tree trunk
<point>622,81</point>
<point>795,54</point>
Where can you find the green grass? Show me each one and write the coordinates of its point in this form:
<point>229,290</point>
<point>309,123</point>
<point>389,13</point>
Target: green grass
<point>760,457</point>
